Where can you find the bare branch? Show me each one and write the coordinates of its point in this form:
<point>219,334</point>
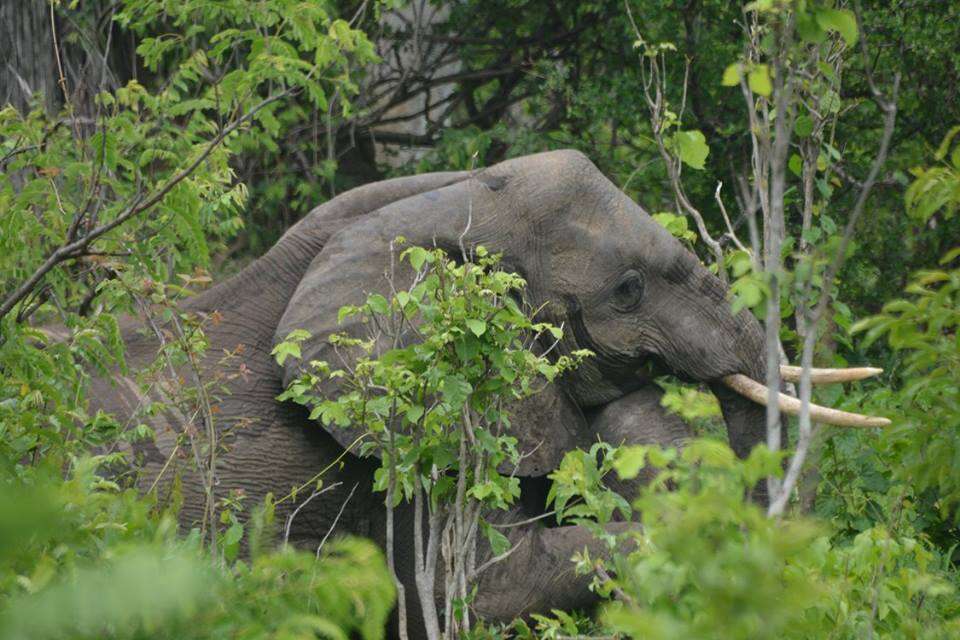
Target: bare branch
<point>289,523</point>
<point>494,560</point>
<point>730,232</point>
<point>889,108</point>
<point>336,519</point>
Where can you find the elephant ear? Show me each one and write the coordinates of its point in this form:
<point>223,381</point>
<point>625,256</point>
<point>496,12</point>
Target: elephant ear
<point>356,262</point>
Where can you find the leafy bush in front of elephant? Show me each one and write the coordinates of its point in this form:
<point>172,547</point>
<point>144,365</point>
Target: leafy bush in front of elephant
<point>708,564</point>
<point>618,282</point>
<point>445,362</point>
<point>82,558</point>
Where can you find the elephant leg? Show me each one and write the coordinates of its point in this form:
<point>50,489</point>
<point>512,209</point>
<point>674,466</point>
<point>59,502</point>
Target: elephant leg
<point>539,575</point>
<point>638,418</point>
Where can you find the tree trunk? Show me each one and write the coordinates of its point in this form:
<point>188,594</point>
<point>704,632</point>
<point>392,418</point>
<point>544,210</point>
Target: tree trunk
<point>27,63</point>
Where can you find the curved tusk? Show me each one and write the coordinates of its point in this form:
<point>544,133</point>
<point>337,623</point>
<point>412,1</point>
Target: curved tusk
<point>823,376</point>
<point>758,393</point>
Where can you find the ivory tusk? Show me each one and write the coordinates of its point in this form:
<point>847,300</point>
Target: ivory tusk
<point>823,376</point>
<point>758,393</point>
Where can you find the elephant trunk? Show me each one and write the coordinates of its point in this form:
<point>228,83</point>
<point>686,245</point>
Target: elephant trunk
<point>732,359</point>
<point>745,419</point>
<point>702,339</point>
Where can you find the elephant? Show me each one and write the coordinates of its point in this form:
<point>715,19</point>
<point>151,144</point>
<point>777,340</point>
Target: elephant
<point>621,285</point>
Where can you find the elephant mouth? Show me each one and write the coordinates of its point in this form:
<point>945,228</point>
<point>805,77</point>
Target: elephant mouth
<point>759,393</point>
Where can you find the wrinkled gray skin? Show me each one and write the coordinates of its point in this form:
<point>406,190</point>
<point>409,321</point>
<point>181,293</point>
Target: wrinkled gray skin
<point>619,283</point>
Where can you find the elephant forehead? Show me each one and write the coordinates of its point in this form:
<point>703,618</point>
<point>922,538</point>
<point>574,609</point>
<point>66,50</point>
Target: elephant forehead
<point>589,252</point>
<point>586,256</point>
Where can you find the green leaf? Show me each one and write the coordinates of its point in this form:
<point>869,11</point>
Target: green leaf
<point>467,347</point>
<point>732,75</point>
<point>455,390</point>
<point>803,127</point>
<point>660,458</point>
<point>831,101</point>
<point>334,413</point>
<point>629,461</point>
<point>676,225</point>
<point>547,370</point>
<point>481,491</point>
<point>946,142</point>
<point>414,413</point>
<point>691,148</point>
<point>233,534</point>
<point>499,543</point>
<point>478,327</point>
<point>739,263</point>
<point>808,28</point>
<point>840,20</point>
<point>760,6</point>
<point>417,256</point>
<point>759,80</point>
<point>346,311</point>
<point>285,350</point>
<point>378,304</point>
<point>950,256</point>
<point>748,292</point>
<point>796,165</point>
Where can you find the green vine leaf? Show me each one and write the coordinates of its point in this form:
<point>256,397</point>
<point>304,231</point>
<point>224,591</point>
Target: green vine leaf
<point>843,21</point>
<point>691,147</point>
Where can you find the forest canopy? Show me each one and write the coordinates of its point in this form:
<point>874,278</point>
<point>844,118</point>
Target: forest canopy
<point>806,151</point>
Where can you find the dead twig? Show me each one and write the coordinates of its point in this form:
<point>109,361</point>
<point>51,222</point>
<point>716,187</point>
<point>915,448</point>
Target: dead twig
<point>333,525</point>
<point>314,494</point>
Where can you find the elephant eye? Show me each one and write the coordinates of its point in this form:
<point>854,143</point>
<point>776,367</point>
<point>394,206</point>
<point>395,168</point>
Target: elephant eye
<point>629,291</point>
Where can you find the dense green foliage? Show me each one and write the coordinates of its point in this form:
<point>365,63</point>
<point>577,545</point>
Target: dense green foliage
<point>218,124</point>
<point>707,564</point>
<point>84,558</point>
<point>115,206</point>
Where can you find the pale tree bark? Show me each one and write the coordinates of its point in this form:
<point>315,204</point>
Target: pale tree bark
<point>776,86</point>
<point>59,55</point>
<point>770,182</point>
<point>27,65</point>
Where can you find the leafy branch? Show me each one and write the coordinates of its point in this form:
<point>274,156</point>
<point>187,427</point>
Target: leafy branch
<point>140,204</point>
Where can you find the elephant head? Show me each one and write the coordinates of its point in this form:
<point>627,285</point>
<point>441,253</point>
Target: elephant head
<point>616,280</point>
